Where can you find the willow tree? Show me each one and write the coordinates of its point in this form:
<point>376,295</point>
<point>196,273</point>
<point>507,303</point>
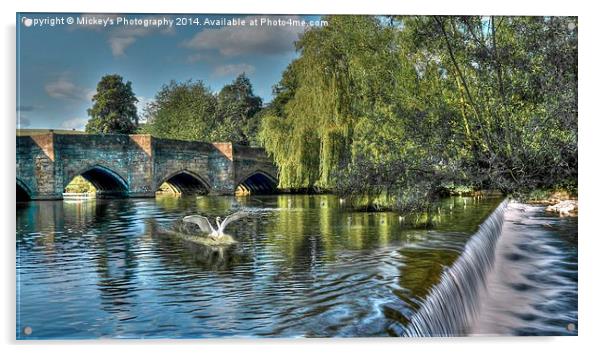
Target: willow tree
<point>410,105</point>
<point>322,97</point>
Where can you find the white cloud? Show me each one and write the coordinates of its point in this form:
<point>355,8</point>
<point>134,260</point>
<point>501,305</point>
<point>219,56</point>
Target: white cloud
<point>122,37</point>
<point>90,94</point>
<point>196,57</point>
<point>22,121</point>
<point>233,69</point>
<point>234,41</point>
<point>23,111</point>
<point>64,88</point>
<point>141,105</point>
<point>75,123</point>
<point>119,44</point>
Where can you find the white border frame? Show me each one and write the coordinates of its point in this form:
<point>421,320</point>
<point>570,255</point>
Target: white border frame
<point>589,145</point>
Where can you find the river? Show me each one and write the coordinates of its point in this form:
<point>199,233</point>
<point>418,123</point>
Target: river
<point>303,267</point>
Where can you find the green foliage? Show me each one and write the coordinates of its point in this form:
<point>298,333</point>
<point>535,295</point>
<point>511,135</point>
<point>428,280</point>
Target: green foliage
<point>237,107</point>
<point>190,111</point>
<point>183,111</point>
<point>321,96</point>
<point>516,90</point>
<point>406,106</point>
<point>114,108</point>
<point>80,185</point>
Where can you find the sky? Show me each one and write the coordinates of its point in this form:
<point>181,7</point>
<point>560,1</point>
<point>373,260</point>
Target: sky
<point>59,64</point>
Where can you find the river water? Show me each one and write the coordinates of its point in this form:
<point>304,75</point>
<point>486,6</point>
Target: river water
<point>532,287</point>
<point>303,267</point>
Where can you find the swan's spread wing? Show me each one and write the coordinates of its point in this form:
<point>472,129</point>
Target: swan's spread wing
<point>231,218</point>
<point>201,221</point>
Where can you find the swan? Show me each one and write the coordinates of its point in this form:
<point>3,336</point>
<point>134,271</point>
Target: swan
<point>218,231</point>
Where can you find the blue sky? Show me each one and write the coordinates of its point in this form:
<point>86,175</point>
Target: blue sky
<point>59,66</point>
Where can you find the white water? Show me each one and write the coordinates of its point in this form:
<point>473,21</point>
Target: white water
<point>452,306</point>
<point>531,288</point>
<point>516,276</point>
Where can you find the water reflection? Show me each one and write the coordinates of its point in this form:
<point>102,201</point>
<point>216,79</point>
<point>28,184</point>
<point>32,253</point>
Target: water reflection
<point>193,255</point>
<point>303,266</point>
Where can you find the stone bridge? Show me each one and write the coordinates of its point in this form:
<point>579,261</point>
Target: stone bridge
<point>137,165</point>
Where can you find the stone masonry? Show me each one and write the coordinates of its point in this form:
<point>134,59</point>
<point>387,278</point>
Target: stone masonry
<point>133,165</point>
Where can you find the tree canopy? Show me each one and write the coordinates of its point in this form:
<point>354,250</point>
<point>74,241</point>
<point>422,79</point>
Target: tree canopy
<point>114,107</point>
<point>236,111</point>
<point>190,111</point>
<point>382,104</point>
<point>400,107</point>
<point>182,110</point>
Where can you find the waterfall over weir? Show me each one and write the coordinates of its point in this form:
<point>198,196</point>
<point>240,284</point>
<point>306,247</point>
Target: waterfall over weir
<point>452,305</point>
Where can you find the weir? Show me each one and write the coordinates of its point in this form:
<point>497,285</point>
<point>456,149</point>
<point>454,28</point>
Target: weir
<point>452,305</point>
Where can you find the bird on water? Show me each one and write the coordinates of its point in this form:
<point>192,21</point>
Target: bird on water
<point>218,231</point>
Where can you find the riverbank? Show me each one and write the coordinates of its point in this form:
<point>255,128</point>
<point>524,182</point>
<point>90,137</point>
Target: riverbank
<point>560,202</point>
<point>549,196</point>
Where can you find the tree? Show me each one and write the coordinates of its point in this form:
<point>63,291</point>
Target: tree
<point>237,107</point>
<point>408,105</point>
<point>184,111</point>
<point>190,111</point>
<point>338,77</point>
<point>515,91</point>
<point>114,108</point>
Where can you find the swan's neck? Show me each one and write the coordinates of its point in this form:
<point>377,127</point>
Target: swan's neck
<point>219,225</point>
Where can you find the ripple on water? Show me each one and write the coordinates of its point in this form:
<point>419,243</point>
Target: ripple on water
<point>99,268</point>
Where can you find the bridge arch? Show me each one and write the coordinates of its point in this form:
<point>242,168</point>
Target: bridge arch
<point>24,193</point>
<point>106,181</point>
<point>256,183</point>
<point>184,182</point>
